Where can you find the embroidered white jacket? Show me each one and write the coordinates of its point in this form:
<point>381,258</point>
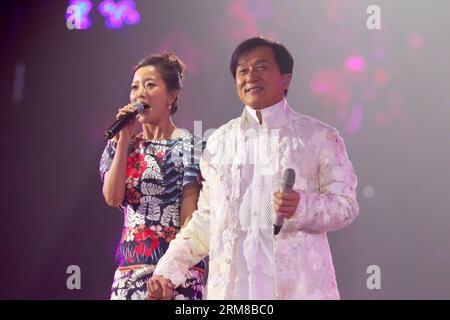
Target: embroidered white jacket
<point>326,182</point>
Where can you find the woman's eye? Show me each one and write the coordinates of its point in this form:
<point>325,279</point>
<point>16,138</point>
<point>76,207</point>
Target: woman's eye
<point>133,87</point>
<point>150,85</point>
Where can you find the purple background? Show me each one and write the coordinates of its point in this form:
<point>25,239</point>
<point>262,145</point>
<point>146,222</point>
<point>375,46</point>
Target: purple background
<point>386,91</point>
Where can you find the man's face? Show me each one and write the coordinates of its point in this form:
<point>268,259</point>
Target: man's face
<point>259,83</point>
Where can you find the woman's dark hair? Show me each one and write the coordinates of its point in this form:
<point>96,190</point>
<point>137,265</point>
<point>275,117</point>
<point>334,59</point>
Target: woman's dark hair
<point>171,68</point>
<point>283,58</point>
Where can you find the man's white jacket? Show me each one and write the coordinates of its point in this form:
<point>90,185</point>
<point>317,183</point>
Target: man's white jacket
<point>326,182</point>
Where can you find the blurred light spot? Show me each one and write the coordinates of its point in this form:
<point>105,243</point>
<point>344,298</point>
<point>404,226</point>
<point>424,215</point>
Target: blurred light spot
<point>334,10</point>
<point>382,119</point>
<point>181,42</point>
<point>77,14</point>
<point>381,77</point>
<point>355,121</point>
<point>260,9</point>
<point>416,40</point>
<point>355,64</point>
<point>324,82</point>
<point>245,26</point>
<point>380,54</point>
<point>369,192</point>
<point>117,14</point>
<point>395,104</point>
<point>369,94</point>
<point>332,88</point>
<point>19,83</point>
<point>343,97</point>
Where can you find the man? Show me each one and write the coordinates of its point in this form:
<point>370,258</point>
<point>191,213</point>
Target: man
<point>242,165</point>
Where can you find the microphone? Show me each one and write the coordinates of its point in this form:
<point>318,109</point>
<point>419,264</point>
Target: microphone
<point>287,182</point>
<point>120,123</point>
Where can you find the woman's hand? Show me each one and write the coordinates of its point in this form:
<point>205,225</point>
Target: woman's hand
<point>128,130</point>
<point>159,288</point>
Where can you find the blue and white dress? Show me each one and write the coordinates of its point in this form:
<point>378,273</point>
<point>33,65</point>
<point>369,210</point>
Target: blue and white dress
<point>157,171</point>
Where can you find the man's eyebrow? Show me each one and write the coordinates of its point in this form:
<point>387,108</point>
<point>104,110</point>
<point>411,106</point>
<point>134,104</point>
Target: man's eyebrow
<point>256,62</point>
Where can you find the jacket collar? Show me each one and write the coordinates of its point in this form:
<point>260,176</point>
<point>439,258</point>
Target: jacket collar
<point>273,117</point>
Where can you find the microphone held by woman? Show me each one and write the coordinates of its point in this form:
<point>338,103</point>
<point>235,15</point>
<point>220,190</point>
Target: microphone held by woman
<point>120,123</point>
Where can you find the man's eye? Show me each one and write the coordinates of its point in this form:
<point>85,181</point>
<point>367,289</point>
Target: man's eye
<point>150,85</point>
<point>242,71</point>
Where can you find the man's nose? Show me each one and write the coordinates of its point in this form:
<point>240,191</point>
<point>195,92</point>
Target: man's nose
<point>252,75</point>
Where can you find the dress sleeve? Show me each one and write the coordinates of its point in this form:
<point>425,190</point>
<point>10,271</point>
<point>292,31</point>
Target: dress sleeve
<point>334,206</point>
<point>192,152</point>
<point>107,158</point>
<point>191,244</point>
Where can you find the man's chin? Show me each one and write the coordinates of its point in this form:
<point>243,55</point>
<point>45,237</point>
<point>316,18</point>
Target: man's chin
<point>257,105</point>
<point>254,103</point>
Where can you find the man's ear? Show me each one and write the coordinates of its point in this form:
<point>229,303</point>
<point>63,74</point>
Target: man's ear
<point>286,80</point>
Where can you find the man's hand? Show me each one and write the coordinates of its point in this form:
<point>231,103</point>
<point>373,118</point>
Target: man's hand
<point>159,288</point>
<point>285,203</point>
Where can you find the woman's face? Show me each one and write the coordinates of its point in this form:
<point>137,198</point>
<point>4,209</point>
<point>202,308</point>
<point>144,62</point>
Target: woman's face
<point>149,88</point>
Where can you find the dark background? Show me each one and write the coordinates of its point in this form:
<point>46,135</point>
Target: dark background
<point>60,90</point>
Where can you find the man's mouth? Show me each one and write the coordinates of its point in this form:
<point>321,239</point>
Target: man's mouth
<point>253,90</point>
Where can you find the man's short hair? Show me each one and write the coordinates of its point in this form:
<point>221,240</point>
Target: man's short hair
<point>282,56</point>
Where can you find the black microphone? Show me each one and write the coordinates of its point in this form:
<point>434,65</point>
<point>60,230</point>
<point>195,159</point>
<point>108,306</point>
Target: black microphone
<point>287,182</point>
<point>120,123</point>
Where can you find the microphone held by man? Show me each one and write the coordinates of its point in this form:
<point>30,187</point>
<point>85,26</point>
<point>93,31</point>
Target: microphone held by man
<point>287,183</point>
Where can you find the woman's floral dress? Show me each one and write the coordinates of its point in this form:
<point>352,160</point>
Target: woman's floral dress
<point>157,171</point>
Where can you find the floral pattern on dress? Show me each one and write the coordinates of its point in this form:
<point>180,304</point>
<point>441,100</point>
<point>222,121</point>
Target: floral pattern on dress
<point>156,172</point>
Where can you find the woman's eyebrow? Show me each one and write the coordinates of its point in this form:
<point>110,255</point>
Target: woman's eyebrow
<point>145,79</point>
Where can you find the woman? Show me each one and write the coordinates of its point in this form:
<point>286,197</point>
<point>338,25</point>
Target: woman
<point>154,177</point>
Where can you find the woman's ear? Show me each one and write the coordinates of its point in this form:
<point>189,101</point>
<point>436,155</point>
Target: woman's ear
<point>172,97</point>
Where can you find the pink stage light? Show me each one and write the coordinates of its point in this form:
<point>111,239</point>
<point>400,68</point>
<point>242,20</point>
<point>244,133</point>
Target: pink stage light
<point>355,121</point>
<point>355,64</point>
<point>117,14</point>
<point>381,77</point>
<point>416,40</point>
